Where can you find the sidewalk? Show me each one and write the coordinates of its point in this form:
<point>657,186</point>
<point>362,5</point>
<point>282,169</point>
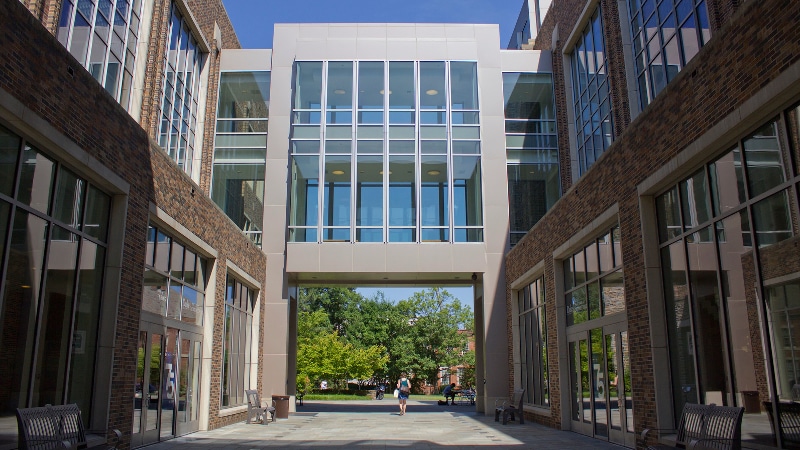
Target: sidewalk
<point>376,424</point>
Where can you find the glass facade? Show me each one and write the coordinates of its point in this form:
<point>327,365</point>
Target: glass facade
<point>533,343</point>
<point>240,302</point>
<point>534,183</point>
<point>53,245</point>
<point>102,35</point>
<point>590,100</point>
<point>181,87</point>
<point>666,36</point>
<point>393,156</point>
<point>722,230</point>
<point>240,150</point>
<point>174,279</point>
<point>593,280</point>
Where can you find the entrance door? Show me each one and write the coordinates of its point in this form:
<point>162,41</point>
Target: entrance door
<point>600,392</point>
<point>167,384</point>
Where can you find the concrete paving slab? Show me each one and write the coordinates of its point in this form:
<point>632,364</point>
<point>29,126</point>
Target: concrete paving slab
<point>372,424</point>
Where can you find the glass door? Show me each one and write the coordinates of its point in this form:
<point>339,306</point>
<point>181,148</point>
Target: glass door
<point>147,392</point>
<point>188,383</point>
<point>600,390</point>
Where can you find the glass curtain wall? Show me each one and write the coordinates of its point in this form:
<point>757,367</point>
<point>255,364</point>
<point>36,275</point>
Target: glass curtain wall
<point>534,183</point>
<point>237,338</point>
<point>53,244</point>
<point>183,64</point>
<point>240,149</point>
<point>102,35</point>
<point>666,36</point>
<point>533,343</point>
<point>590,99</point>
<point>174,279</point>
<point>726,236</point>
<point>394,155</point>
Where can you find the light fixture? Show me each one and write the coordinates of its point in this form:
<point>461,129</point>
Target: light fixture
<point>339,91</point>
<point>431,92</point>
<point>381,172</point>
<point>25,286</point>
<point>433,172</point>
<point>338,172</point>
<point>382,92</point>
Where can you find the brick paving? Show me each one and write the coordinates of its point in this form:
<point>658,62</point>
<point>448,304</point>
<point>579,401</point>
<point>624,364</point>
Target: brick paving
<point>377,425</point>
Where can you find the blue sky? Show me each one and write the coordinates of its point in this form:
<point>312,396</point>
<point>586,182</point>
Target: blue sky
<point>395,294</point>
<point>253,19</point>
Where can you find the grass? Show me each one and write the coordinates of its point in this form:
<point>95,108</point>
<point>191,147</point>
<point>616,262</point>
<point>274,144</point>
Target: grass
<point>352,397</point>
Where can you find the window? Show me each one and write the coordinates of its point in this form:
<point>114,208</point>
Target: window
<point>709,225</point>
<point>183,64</point>
<point>53,231</point>
<point>102,35</point>
<point>531,149</point>
<point>666,36</point>
<point>593,280</point>
<point>590,100</point>
<point>174,279</point>
<point>237,184</point>
<point>532,348</point>
<point>362,175</point>
<point>237,342</point>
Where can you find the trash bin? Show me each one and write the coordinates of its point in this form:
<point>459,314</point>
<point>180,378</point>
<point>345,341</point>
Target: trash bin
<point>752,405</point>
<point>281,406</point>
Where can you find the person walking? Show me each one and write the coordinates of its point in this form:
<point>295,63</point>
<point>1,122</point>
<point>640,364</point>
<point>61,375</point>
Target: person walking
<point>404,388</point>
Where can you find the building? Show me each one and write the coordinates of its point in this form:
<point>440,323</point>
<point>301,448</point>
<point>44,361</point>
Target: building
<point>618,187</point>
<point>666,273</point>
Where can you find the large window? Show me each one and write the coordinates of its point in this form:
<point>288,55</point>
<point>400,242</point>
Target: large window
<point>240,149</point>
<point>183,64</point>
<point>666,36</point>
<point>404,167</point>
<point>102,35</point>
<point>534,183</point>
<point>593,280</point>
<point>723,229</point>
<point>53,242</point>
<point>590,100</point>
<point>237,342</point>
<point>174,279</point>
<point>533,343</point>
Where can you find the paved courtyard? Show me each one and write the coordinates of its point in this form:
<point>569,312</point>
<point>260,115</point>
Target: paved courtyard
<point>377,425</point>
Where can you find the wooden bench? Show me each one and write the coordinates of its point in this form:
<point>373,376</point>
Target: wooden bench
<point>511,407</point>
<point>255,411</point>
<point>705,427</point>
<point>789,422</point>
<point>52,427</point>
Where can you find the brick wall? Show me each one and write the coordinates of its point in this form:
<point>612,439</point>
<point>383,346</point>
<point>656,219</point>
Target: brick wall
<point>42,75</point>
<point>759,40</point>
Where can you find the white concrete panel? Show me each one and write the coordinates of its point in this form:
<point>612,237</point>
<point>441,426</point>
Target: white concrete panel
<point>284,44</point>
<point>431,30</point>
<point>311,49</point>
<point>460,31</point>
<point>276,320</point>
<point>342,49</point>
<point>342,31</point>
<point>371,49</point>
<point>274,228</point>
<point>402,258</point>
<point>371,31</point>
<point>496,227</point>
<point>467,50</point>
<point>401,30</point>
<point>469,258</point>
<point>369,258</point>
<point>526,61</point>
<point>401,49</point>
<point>435,258</point>
<point>488,38</point>
<point>336,257</point>
<point>274,375</point>
<point>431,49</point>
<point>302,257</point>
<point>241,59</point>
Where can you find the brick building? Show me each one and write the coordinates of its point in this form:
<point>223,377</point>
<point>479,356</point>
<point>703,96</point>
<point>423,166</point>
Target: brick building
<point>619,187</point>
<point>666,272</point>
